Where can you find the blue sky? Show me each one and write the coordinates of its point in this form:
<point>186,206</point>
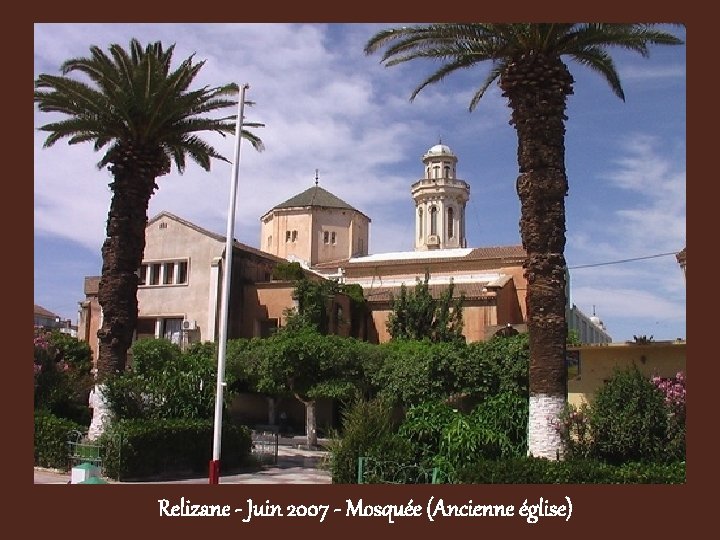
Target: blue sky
<point>329,107</point>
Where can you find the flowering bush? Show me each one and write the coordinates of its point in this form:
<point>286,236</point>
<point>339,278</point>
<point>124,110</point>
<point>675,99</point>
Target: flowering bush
<point>575,433</point>
<point>61,368</point>
<point>673,388</point>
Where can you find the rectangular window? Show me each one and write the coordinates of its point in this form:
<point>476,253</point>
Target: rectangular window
<point>294,236</point>
<point>172,330</point>
<point>287,236</point>
<point>163,273</point>
<point>332,238</point>
<point>326,237</point>
<point>145,328</point>
<point>268,327</point>
<point>169,274</point>
<point>182,273</point>
<point>155,274</point>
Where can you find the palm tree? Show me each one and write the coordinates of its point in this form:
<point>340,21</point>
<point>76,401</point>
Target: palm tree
<point>145,117</point>
<point>526,60</point>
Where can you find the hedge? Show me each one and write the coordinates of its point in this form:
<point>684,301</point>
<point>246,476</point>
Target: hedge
<point>136,449</point>
<point>51,440</point>
<point>529,470</point>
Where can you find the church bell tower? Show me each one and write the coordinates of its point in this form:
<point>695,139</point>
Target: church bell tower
<point>440,200</point>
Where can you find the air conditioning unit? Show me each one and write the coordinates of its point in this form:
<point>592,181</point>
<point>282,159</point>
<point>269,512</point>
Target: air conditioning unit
<point>189,325</point>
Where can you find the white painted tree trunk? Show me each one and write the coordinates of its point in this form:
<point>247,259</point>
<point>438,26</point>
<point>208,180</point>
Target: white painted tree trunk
<point>543,436</point>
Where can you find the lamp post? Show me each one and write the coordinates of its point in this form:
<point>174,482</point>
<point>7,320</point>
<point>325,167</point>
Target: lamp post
<point>224,305</point>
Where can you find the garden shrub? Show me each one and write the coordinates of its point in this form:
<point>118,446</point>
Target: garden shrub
<point>532,470</point>
<point>166,383</point>
<point>368,430</point>
<point>51,440</point>
<point>62,379</point>
<point>673,389</point>
<point>134,449</point>
<point>628,418</point>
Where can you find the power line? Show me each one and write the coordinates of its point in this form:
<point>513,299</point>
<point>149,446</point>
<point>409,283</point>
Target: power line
<point>622,261</point>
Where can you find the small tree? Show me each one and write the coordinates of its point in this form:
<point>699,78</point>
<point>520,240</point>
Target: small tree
<point>305,364</point>
<point>417,315</point>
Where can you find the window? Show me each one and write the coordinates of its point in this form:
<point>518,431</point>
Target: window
<point>450,223</point>
<point>181,272</point>
<point>172,330</point>
<point>294,236</point>
<point>163,273</point>
<point>155,274</point>
<point>332,238</point>
<point>420,223</point>
<point>269,241</point>
<point>169,274</point>
<point>433,220</point>
<point>267,327</point>
<point>361,246</point>
<point>447,172</point>
<point>287,236</point>
<point>326,237</point>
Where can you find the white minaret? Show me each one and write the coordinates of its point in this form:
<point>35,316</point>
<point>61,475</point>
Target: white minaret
<point>440,200</point>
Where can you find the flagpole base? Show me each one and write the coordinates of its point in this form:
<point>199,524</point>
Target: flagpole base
<point>214,471</point>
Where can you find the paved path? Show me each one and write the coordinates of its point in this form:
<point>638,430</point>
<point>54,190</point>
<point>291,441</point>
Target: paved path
<point>294,466</point>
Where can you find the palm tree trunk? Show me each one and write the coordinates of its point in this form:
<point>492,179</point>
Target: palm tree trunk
<point>122,254</point>
<point>537,87</point>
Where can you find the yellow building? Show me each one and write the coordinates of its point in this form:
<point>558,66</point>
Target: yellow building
<point>597,363</point>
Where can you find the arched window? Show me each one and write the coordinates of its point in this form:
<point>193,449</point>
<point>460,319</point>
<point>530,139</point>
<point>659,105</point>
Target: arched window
<point>420,223</point>
<point>447,171</point>
<point>433,220</point>
<point>450,222</point>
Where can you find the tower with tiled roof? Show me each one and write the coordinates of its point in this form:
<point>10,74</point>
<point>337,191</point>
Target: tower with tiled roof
<point>315,227</point>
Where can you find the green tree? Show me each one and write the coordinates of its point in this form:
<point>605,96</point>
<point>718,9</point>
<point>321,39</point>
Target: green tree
<point>302,363</point>
<point>526,60</point>
<point>146,117</point>
<point>417,315</point>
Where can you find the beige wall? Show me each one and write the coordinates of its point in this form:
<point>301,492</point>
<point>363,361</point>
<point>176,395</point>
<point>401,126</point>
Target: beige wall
<point>351,229</point>
<point>598,362</point>
<point>167,239</point>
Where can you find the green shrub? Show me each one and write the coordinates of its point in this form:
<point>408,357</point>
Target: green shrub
<point>166,383</point>
<point>628,418</point>
<point>529,470</point>
<point>368,430</point>
<point>150,355</point>
<point>51,439</point>
<point>62,375</point>
<point>139,448</point>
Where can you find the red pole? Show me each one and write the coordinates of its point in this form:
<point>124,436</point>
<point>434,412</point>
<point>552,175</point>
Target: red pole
<point>214,471</point>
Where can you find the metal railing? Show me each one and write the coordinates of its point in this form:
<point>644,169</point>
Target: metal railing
<point>375,471</point>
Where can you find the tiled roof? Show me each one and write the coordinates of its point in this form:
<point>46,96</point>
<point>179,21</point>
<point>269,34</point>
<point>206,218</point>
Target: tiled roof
<point>315,196</point>
<point>42,312</point>
<point>470,290</point>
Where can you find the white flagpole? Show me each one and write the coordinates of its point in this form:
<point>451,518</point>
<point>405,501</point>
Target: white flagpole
<point>224,307</point>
